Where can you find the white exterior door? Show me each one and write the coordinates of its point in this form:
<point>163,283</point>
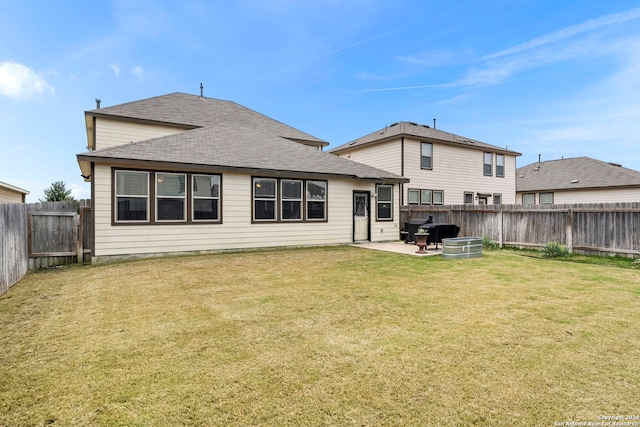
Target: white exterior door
<point>360,216</point>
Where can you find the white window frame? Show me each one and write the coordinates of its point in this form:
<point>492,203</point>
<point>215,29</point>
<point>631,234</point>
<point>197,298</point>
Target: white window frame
<point>487,160</point>
<point>315,199</point>
<point>500,165</point>
<point>158,177</point>
<point>527,195</point>
<point>416,193</point>
<point>273,199</point>
<point>194,197</point>
<point>284,199</point>
<point>440,193</point>
<point>118,195</point>
<point>380,201</point>
<point>545,198</point>
<point>429,155</point>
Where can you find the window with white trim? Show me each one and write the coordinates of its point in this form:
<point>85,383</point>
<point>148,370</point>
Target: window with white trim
<point>497,199</point>
<point>426,155</point>
<point>468,198</point>
<point>132,196</point>
<point>413,197</point>
<point>384,202</point>
<point>438,197</point>
<point>291,203</point>
<point>500,165</point>
<point>264,199</point>
<point>529,199</point>
<point>171,197</point>
<point>488,164</point>
<point>546,198</point>
<point>316,200</point>
<point>206,197</point>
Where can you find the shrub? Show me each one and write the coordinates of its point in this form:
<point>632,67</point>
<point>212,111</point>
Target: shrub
<point>555,250</point>
<point>489,244</point>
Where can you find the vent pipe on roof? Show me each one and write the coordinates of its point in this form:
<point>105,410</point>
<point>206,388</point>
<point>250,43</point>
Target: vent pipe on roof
<point>434,123</point>
<point>98,103</point>
<point>201,91</point>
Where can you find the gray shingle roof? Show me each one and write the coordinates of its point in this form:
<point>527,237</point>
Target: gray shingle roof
<point>194,111</point>
<point>574,173</point>
<point>231,146</point>
<point>422,132</point>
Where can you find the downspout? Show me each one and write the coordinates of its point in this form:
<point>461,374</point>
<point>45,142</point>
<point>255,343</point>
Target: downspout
<point>402,170</point>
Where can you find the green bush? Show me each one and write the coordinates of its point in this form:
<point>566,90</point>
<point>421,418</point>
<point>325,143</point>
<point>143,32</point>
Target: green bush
<point>555,250</point>
<point>489,244</point>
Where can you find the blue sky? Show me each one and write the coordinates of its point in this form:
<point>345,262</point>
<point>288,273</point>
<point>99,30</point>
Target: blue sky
<point>555,78</point>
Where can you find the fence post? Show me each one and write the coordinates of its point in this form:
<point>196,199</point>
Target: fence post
<point>570,230</point>
<point>500,226</point>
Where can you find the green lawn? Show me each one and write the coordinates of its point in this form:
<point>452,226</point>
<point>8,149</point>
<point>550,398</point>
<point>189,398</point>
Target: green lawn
<point>326,336</point>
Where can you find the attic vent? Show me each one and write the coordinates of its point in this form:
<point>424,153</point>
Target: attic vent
<point>392,125</point>
<point>615,164</point>
<point>413,123</point>
<point>425,126</point>
<point>575,181</point>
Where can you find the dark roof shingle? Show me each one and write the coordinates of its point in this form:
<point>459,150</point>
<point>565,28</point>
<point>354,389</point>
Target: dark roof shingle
<point>232,146</point>
<point>422,132</point>
<point>574,173</point>
<point>194,111</point>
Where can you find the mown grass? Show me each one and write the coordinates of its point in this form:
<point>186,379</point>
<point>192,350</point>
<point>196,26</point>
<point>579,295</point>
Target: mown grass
<point>328,336</point>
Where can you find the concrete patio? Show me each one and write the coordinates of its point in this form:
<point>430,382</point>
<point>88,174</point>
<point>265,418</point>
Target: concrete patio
<point>399,247</point>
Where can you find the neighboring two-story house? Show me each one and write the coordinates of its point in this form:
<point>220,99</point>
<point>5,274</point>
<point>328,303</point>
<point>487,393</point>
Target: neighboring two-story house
<point>184,173</point>
<point>443,168</point>
<point>576,180</point>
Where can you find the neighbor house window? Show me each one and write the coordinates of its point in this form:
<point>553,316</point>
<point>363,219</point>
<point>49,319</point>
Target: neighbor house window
<point>529,199</point>
<point>384,201</point>
<point>425,197</point>
<point>206,197</point>
<point>291,204</point>
<point>438,197</point>
<point>497,199</point>
<point>316,200</point>
<point>132,196</point>
<point>264,199</point>
<point>546,198</point>
<point>500,165</point>
<point>468,198</point>
<point>171,197</point>
<point>414,197</point>
<point>488,164</point>
<point>426,155</point>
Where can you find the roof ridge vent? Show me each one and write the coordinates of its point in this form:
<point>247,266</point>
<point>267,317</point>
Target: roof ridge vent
<point>615,164</point>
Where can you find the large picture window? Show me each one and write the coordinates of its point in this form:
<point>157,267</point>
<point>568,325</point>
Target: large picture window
<point>132,196</point>
<point>316,200</point>
<point>426,155</point>
<point>264,199</point>
<point>171,197</point>
<point>384,202</point>
<point>206,197</point>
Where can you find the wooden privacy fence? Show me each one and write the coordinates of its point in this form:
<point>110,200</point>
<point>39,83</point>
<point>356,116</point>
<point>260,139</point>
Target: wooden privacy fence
<point>13,244</point>
<point>603,228</point>
<point>58,233</point>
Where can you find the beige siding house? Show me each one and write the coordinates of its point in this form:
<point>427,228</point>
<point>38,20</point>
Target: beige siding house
<point>12,194</point>
<point>180,173</point>
<point>443,168</point>
<point>576,180</point>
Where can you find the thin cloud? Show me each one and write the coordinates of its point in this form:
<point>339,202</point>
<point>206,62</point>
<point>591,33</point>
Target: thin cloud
<point>116,69</point>
<point>590,25</point>
<point>17,81</point>
<point>330,53</point>
<point>138,71</point>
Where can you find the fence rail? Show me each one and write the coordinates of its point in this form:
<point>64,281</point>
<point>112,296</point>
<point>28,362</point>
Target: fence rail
<point>600,229</point>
